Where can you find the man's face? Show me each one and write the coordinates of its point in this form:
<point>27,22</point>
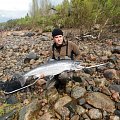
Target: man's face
<point>58,40</point>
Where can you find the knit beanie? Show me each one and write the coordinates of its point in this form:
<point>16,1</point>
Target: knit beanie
<point>56,32</point>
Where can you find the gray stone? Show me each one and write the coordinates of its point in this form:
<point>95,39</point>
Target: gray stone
<point>78,92</point>
<point>115,87</point>
<point>117,112</point>
<point>81,101</point>
<point>26,112</point>
<point>63,111</point>
<point>95,114</point>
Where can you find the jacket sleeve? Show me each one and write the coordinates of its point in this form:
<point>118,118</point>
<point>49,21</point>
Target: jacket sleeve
<point>76,51</point>
<point>50,53</point>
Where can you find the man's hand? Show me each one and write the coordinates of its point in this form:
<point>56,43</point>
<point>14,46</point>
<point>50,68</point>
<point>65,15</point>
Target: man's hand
<point>41,80</point>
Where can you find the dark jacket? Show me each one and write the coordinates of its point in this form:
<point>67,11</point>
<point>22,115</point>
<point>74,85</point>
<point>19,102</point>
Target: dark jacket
<point>68,48</point>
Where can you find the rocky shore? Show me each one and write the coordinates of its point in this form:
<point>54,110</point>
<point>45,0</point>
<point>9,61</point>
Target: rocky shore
<point>93,95</point>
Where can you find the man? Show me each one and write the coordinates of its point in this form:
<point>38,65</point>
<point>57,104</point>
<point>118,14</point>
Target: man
<point>63,49</point>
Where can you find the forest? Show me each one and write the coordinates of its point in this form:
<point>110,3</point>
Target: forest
<point>69,14</point>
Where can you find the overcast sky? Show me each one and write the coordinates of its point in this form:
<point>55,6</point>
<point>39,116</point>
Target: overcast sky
<point>17,8</point>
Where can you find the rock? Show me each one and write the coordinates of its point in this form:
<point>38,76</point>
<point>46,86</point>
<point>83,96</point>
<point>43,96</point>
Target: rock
<point>69,87</point>
<point>116,50</point>
<point>78,92</point>
<point>62,101</point>
<point>117,112</point>
<point>114,118</point>
<point>87,106</point>
<point>52,95</point>
<point>101,82</point>
<point>115,87</point>
<point>29,34</point>
<point>101,101</point>
<point>95,114</point>
<point>26,112</point>
<point>100,69</point>
<point>115,95</point>
<point>75,117</point>
<point>105,90</point>
<point>89,71</point>
<point>113,59</point>
<point>12,100</point>
<point>85,117</point>
<point>26,69</point>
<point>32,55</point>
<point>81,101</point>
<point>63,111</point>
<point>80,110</point>
<point>110,74</point>
<point>44,38</point>
<point>46,116</point>
<point>72,106</point>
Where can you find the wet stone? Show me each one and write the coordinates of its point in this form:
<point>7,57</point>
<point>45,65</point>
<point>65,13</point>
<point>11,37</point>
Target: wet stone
<point>78,92</point>
<point>115,87</point>
<point>12,100</point>
<point>95,114</point>
<point>89,71</point>
<point>96,89</point>
<point>81,101</point>
<point>87,106</point>
<point>100,69</point>
<point>110,74</point>
<point>72,105</point>
<point>117,112</point>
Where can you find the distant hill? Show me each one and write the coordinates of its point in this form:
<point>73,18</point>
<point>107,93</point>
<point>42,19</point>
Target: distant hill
<point>4,19</point>
<point>8,15</point>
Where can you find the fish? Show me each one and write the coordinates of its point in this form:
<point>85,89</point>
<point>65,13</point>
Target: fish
<point>50,69</point>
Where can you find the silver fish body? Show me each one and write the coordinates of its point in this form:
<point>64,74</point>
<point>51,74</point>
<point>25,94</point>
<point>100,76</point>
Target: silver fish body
<point>49,69</point>
<point>53,68</point>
